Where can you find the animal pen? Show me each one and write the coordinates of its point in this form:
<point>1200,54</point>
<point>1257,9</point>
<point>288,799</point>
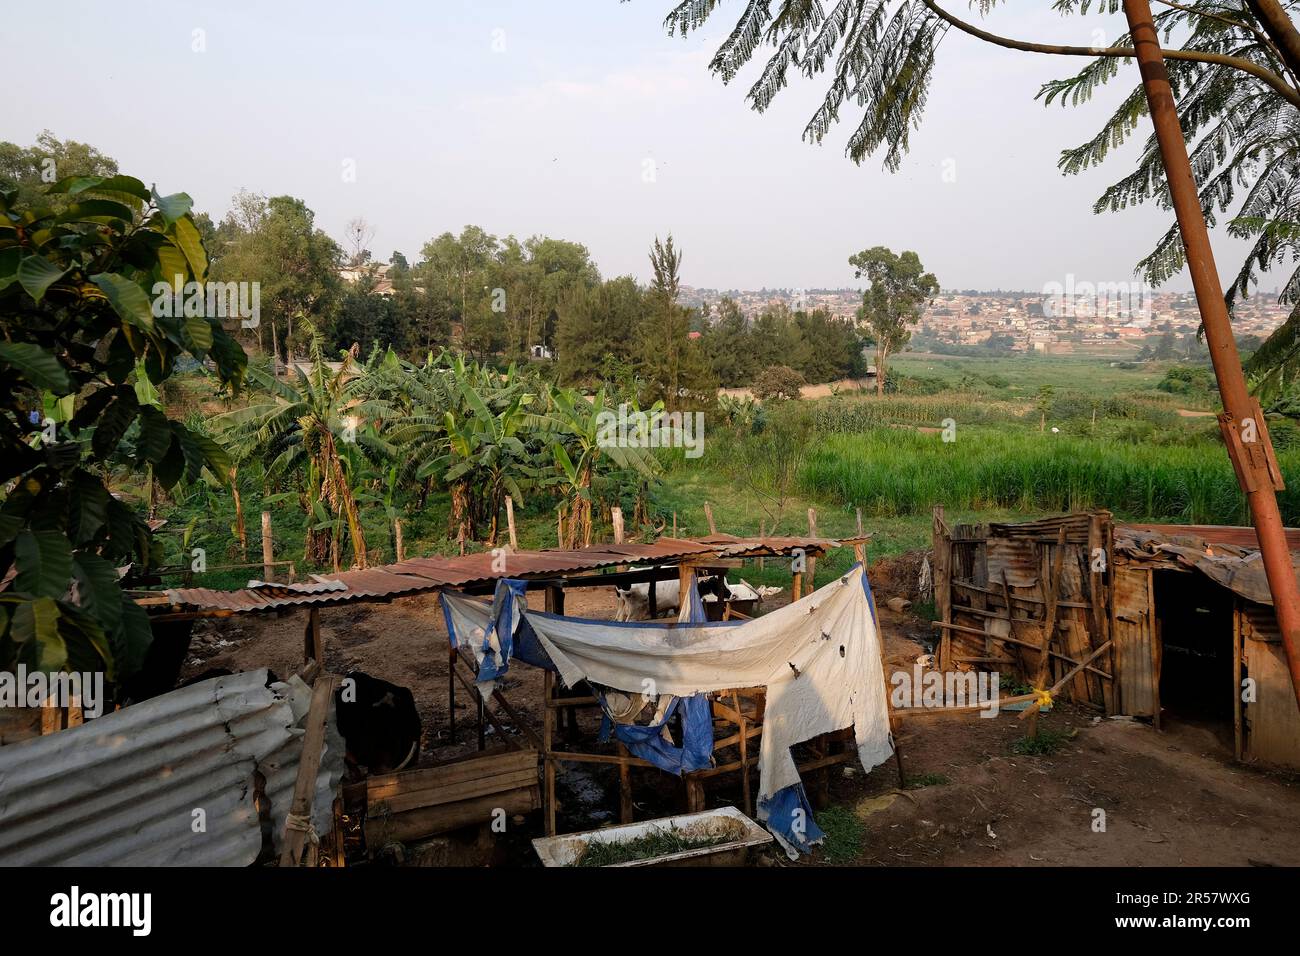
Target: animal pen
<point>410,804</point>
<point>1150,621</point>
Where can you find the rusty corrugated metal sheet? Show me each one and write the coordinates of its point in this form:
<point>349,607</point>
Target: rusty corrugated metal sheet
<point>1240,537</point>
<point>1132,630</point>
<point>122,790</point>
<point>416,575</point>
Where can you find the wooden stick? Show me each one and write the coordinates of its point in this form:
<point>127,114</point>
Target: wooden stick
<point>1049,627</point>
<point>304,789</point>
<point>708,515</point>
<point>398,546</point>
<point>762,533</point>
<point>1033,709</point>
<point>616,516</point>
<point>548,759</point>
<point>744,755</point>
<point>510,523</point>
<point>268,548</point>
<point>812,562</point>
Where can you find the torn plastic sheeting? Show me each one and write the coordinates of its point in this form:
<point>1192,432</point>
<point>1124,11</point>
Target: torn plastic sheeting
<point>124,789</point>
<point>819,660</point>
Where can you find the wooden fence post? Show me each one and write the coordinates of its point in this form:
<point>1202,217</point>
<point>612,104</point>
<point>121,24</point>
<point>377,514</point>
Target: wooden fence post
<point>510,523</point>
<point>268,548</point>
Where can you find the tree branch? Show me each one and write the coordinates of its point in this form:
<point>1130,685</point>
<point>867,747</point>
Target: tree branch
<point>1279,85</point>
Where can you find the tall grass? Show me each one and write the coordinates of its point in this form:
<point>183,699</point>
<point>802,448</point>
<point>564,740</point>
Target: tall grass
<point>889,471</point>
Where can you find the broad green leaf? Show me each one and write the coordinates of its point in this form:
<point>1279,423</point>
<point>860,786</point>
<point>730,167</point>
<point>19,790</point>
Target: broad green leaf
<point>44,562</point>
<point>36,624</point>
<point>113,423</point>
<point>89,509</point>
<point>128,299</point>
<point>113,184</point>
<point>172,207</point>
<point>172,263</point>
<point>89,209</point>
<point>187,237</point>
<point>36,274</point>
<point>100,593</point>
<point>155,436</point>
<point>199,332</point>
<point>42,369</point>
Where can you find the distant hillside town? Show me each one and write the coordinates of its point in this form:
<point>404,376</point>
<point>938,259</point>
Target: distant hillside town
<point>1066,317</point>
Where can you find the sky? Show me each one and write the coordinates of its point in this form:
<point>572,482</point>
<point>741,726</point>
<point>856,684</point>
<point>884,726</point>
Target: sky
<point>582,120</point>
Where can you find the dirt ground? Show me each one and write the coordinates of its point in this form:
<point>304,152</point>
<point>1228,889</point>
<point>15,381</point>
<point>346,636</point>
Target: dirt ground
<point>1117,793</point>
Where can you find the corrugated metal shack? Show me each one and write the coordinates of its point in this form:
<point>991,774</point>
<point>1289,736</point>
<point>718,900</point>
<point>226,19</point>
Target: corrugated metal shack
<point>1180,618</point>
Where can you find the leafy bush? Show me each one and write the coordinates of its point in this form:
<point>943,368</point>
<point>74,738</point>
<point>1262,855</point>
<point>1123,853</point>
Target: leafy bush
<point>778,382</point>
<point>82,358</point>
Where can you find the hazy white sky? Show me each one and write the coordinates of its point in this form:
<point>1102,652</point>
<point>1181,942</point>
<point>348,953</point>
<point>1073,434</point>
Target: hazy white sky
<point>541,117</point>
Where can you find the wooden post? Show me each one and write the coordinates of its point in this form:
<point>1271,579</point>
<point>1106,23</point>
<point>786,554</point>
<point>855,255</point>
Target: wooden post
<point>812,561</point>
<point>548,756</point>
<point>942,574</point>
<point>743,724</point>
<point>314,645</point>
<point>268,548</point>
<point>624,785</point>
<point>796,586</point>
<point>510,523</point>
<point>859,513</point>
<point>762,533</point>
<point>674,524</point>
<point>304,789</point>
<point>616,516</point>
<point>397,539</point>
<point>559,526</point>
<point>708,515</point>
<point>1049,626</point>
<point>1236,678</point>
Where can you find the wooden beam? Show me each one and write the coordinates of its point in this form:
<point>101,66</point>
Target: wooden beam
<point>298,822</point>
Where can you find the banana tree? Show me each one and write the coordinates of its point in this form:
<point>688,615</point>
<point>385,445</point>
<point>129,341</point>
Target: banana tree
<point>577,430</point>
<point>485,460</point>
<point>316,430</point>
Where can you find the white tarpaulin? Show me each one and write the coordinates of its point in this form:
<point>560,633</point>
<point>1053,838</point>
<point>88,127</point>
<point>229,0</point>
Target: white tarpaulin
<point>819,659</point>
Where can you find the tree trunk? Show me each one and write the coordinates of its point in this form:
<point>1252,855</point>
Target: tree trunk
<point>1276,22</point>
<point>881,356</point>
<point>240,531</point>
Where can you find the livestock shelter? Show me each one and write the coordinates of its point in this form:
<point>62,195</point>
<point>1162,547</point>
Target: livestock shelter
<point>1171,621</point>
<point>412,801</point>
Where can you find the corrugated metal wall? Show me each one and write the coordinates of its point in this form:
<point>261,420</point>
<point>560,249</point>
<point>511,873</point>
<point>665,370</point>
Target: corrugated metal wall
<point>1132,630</point>
<point>123,789</point>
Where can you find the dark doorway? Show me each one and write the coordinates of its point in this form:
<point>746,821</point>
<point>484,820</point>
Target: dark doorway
<point>1194,619</point>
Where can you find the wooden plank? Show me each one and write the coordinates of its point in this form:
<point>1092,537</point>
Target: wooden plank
<point>455,793</point>
<point>304,790</point>
<point>382,786</point>
<point>430,821</point>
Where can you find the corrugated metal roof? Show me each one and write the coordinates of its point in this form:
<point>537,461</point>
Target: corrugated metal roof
<point>1237,536</point>
<point>122,790</point>
<point>429,574</point>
